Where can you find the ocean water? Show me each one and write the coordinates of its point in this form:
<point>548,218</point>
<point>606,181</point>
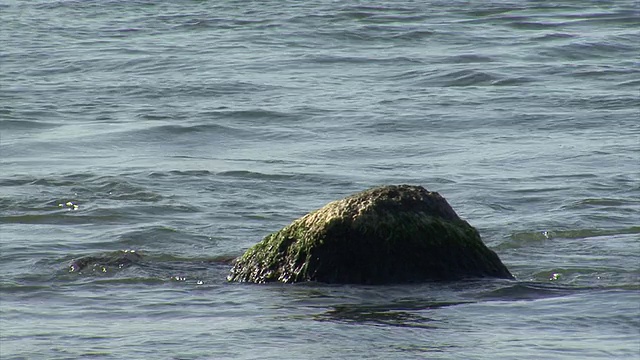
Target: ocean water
<point>188,130</point>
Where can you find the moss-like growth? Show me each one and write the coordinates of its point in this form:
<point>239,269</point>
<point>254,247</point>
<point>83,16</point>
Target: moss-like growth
<point>389,234</point>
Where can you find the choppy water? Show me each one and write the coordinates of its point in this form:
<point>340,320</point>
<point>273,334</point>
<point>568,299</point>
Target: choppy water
<point>188,130</point>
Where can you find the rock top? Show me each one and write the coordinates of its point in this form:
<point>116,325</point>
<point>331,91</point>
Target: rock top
<point>388,234</point>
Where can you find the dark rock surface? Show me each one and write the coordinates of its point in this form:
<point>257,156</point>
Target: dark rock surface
<point>389,234</point>
<point>105,262</point>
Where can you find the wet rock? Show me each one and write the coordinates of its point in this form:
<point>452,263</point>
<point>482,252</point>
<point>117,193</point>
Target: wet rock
<point>389,234</point>
<point>105,262</point>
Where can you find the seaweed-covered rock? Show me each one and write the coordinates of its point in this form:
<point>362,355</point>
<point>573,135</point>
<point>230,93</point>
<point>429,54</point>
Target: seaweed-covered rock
<point>389,234</point>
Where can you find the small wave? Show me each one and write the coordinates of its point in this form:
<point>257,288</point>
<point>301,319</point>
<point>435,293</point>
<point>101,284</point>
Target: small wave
<point>513,81</point>
<point>354,14</point>
<point>90,200</point>
<point>571,234</point>
<point>602,202</point>
<point>51,5</point>
<point>622,18</point>
<point>571,275</point>
<point>411,75</point>
<point>64,218</point>
<point>467,59</point>
<point>540,189</point>
<point>338,59</point>
<point>367,11</point>
<point>463,78</point>
<point>17,288</point>
<point>377,33</point>
<point>188,129</point>
<point>63,180</point>
<point>528,291</point>
<point>198,23</point>
<point>192,90</point>
<point>413,35</point>
<point>554,36</point>
<point>55,68</point>
<point>456,78</point>
<point>381,32</point>
<point>533,25</point>
<point>250,114</point>
<point>626,102</point>
<point>115,188</point>
<point>605,72</point>
<point>187,173</point>
<point>586,51</point>
<point>500,207</point>
<point>560,176</point>
<point>630,83</point>
<point>490,12</point>
<point>159,236</point>
<point>156,116</point>
<point>244,174</point>
<point>161,133</point>
<point>8,125</point>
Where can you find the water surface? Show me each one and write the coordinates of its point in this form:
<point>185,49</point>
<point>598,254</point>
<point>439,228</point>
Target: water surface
<point>186,131</point>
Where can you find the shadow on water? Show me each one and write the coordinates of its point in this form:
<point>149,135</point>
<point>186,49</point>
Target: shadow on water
<point>409,305</point>
<point>414,305</point>
<point>380,315</point>
<point>402,313</point>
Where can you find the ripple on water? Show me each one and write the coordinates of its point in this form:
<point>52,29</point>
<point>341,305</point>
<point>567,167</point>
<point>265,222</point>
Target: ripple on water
<point>570,234</point>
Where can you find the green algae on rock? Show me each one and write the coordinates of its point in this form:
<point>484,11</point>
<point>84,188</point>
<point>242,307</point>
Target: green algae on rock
<point>388,234</point>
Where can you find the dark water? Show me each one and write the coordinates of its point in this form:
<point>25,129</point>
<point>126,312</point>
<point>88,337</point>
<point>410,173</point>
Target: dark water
<point>186,131</point>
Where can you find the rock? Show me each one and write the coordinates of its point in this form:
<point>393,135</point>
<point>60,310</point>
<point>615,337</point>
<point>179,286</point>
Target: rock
<point>105,262</point>
<point>388,234</point>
